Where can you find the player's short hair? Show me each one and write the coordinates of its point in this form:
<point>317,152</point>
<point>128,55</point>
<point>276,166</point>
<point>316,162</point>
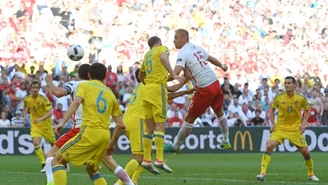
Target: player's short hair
<point>137,75</point>
<point>83,71</point>
<point>291,78</point>
<point>35,82</point>
<point>183,32</point>
<point>153,40</point>
<point>97,71</point>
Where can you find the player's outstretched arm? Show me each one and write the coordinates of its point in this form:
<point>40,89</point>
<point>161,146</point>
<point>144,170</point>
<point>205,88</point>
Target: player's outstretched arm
<point>181,93</point>
<point>175,87</point>
<point>216,62</point>
<point>57,91</point>
<point>71,110</point>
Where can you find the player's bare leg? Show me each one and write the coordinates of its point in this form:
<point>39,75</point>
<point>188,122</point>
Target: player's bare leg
<point>148,141</point>
<point>266,158</point>
<point>39,152</point>
<point>159,143</point>
<point>131,167</point>
<point>308,163</point>
<point>49,157</point>
<point>111,164</point>
<point>183,133</point>
<point>224,129</point>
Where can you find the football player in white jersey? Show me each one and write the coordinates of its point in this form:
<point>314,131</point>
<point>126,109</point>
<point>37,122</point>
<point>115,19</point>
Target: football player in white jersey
<point>70,89</point>
<point>193,59</point>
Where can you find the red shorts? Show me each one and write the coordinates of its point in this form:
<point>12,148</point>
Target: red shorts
<point>67,136</point>
<point>210,96</point>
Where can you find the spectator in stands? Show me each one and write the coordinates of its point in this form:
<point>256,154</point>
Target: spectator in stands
<point>257,120</point>
<point>17,121</point>
<point>175,121</point>
<point>4,122</point>
<point>58,114</point>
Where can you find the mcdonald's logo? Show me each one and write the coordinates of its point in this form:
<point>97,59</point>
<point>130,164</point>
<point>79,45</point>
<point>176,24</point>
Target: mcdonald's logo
<point>243,140</point>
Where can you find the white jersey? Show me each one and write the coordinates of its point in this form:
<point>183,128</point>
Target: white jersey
<point>194,59</point>
<point>71,88</point>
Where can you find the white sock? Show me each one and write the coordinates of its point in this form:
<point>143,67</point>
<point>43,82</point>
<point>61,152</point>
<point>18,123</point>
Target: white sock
<point>224,128</point>
<point>49,174</point>
<point>184,132</point>
<point>123,176</point>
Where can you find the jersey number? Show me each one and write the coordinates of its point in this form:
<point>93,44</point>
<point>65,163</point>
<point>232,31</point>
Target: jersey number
<point>101,101</point>
<point>289,109</point>
<point>149,64</point>
<point>133,98</point>
<point>200,58</point>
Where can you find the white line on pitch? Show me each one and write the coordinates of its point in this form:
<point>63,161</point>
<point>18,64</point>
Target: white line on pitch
<point>175,178</point>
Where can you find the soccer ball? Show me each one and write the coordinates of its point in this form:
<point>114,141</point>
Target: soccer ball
<point>75,52</point>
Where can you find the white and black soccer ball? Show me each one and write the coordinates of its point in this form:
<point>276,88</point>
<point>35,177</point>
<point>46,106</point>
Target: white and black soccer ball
<point>75,52</point>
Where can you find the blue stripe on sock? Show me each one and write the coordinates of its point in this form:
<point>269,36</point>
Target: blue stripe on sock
<point>95,176</point>
<point>267,153</point>
<point>160,136</point>
<point>148,136</point>
<point>56,168</point>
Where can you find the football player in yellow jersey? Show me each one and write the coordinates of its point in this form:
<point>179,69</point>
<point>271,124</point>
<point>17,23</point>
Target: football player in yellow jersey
<point>90,144</point>
<point>134,123</point>
<point>40,117</point>
<point>289,125</point>
<point>154,74</point>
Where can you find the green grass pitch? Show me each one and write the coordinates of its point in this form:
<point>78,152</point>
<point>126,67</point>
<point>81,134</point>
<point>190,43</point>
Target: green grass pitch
<point>189,169</point>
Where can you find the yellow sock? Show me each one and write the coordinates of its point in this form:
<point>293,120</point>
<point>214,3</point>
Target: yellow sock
<point>97,179</point>
<point>136,174</point>
<point>39,153</point>
<point>266,158</point>
<point>309,167</point>
<point>159,142</point>
<point>60,177</point>
<point>147,142</point>
<point>119,182</point>
<point>130,168</point>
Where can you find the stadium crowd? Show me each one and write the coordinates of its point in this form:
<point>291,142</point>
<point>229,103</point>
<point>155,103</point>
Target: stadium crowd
<point>261,41</point>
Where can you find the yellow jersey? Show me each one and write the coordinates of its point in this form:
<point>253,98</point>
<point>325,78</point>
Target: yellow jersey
<point>38,106</point>
<point>135,107</point>
<point>99,103</point>
<point>153,67</point>
<point>289,110</point>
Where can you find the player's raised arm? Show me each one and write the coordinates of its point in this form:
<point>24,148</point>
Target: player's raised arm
<point>216,62</point>
<point>57,91</point>
<point>71,110</point>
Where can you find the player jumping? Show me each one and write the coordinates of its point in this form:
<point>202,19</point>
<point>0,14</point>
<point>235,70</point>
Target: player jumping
<point>194,59</point>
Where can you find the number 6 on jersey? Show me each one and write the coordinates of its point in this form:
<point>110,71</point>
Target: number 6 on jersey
<point>101,103</point>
